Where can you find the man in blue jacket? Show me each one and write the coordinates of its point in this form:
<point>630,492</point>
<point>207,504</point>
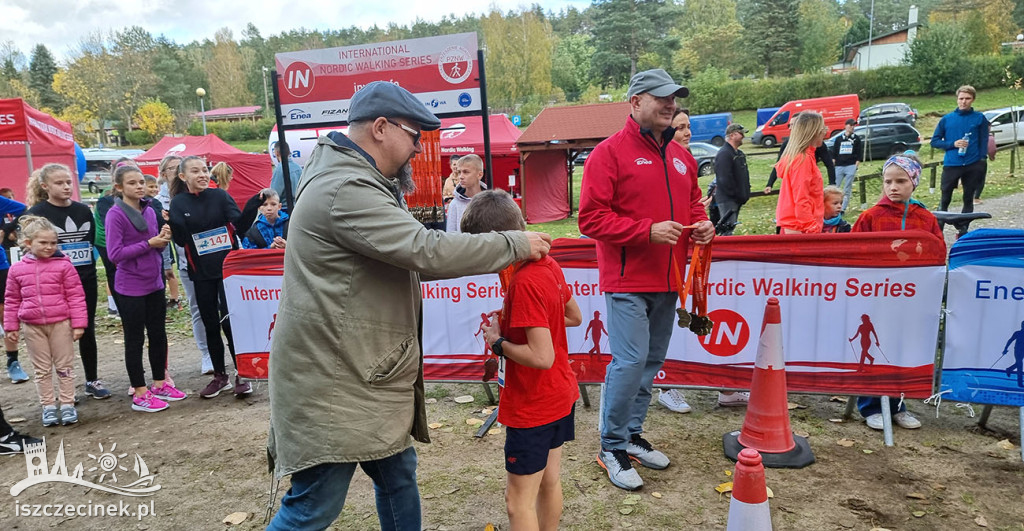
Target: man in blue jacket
<point>963,134</point>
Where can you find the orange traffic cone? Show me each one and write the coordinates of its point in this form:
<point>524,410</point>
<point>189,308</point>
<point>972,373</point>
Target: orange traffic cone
<point>766,426</point>
<point>748,510</point>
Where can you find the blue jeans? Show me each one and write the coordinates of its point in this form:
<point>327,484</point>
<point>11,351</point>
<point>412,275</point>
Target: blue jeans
<point>844,177</point>
<point>869,405</point>
<point>639,329</point>
<point>317,494</point>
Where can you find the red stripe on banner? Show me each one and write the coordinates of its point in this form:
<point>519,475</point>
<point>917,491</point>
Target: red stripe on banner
<point>253,365</point>
<point>254,262</point>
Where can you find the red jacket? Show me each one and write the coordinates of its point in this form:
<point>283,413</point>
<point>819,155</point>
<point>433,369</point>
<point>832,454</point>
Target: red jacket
<point>887,215</point>
<point>631,182</point>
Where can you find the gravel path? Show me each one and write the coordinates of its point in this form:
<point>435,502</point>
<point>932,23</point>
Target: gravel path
<point>1007,213</point>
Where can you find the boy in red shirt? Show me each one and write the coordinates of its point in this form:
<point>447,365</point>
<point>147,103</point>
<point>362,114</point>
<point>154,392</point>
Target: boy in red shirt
<point>539,389</point>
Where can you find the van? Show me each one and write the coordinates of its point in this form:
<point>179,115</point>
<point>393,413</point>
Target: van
<point>835,109</point>
<point>710,127</point>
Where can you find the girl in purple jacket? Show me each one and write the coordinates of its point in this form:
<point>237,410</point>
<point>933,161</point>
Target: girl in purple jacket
<point>45,295</point>
<point>135,245</point>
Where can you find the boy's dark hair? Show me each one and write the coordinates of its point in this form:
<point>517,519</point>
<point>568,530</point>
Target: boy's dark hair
<point>491,211</point>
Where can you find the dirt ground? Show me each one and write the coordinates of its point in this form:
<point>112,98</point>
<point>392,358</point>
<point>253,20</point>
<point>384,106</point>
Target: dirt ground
<point>208,458</point>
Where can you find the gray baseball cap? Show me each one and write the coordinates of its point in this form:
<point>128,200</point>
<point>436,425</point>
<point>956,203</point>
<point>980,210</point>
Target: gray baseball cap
<point>381,98</point>
<point>733,127</point>
<point>657,83</point>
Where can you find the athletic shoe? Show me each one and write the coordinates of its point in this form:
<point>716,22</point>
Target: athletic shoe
<point>16,373</point>
<point>50,416</point>
<point>733,400</point>
<point>674,400</point>
<point>620,470</point>
<point>168,392</point>
<point>148,403</point>
<point>96,390</point>
<point>905,420</point>
<point>219,383</point>
<point>642,452</point>
<point>14,443</point>
<point>242,388</point>
<point>875,421</point>
<point>68,414</point>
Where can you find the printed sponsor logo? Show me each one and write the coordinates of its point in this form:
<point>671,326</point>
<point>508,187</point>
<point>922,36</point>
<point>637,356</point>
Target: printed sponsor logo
<point>465,100</point>
<point>640,161</point>
<point>299,114</point>
<point>299,79</point>
<point>729,335</point>
<point>107,473</point>
<point>333,112</point>
<point>454,131</point>
<point>455,64</point>
<point>680,167</point>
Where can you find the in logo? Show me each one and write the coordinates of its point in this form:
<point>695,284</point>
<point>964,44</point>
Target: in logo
<point>680,167</point>
<point>109,473</point>
<point>455,64</point>
<point>729,335</point>
<point>298,79</point>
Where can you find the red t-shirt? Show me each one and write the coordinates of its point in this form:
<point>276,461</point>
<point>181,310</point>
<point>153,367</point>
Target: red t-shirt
<point>536,297</point>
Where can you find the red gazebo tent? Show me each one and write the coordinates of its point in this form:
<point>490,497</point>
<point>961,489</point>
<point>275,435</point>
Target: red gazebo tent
<point>252,172</point>
<point>29,139</point>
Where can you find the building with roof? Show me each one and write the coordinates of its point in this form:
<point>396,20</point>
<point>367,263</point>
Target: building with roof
<point>233,114</point>
<point>888,49</point>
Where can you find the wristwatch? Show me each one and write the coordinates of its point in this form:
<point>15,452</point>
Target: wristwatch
<point>496,347</point>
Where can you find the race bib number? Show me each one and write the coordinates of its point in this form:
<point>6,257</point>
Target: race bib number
<point>846,148</point>
<point>501,371</point>
<point>80,253</point>
<point>212,241</point>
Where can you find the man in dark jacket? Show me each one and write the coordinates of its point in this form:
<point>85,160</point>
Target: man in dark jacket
<point>733,179</point>
<point>847,152</point>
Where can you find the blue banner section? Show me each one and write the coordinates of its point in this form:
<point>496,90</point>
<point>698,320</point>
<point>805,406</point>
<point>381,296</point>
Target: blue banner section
<point>983,359</point>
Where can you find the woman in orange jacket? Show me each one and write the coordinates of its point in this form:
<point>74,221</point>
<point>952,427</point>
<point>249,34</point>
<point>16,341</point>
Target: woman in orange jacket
<point>801,199</point>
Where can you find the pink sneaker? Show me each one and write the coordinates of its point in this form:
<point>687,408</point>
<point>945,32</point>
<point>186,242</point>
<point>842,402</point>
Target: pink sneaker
<point>148,403</point>
<point>168,392</point>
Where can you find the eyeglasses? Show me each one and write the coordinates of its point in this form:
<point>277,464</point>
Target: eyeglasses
<point>412,132</point>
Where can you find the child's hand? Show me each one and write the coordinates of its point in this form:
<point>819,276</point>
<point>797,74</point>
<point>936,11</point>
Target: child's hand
<point>165,232</point>
<point>12,336</point>
<point>76,333</point>
<point>278,243</point>
<point>160,240</point>
<point>491,329</point>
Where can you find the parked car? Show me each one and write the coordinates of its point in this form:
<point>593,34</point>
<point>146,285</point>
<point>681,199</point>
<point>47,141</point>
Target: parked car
<point>710,127</point>
<point>98,163</point>
<point>888,113</point>
<point>836,110</point>
<point>1001,124</point>
<point>705,155</point>
<point>883,140</point>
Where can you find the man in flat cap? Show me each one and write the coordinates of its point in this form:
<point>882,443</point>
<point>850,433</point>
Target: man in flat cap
<point>640,192</point>
<point>346,371</point>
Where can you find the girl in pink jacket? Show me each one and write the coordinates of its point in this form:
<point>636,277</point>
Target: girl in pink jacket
<point>45,294</point>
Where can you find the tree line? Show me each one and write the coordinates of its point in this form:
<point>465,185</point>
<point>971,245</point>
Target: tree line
<point>534,58</point>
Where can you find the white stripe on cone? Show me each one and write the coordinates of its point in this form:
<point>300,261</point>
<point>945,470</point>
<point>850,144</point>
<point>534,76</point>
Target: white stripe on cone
<point>749,516</point>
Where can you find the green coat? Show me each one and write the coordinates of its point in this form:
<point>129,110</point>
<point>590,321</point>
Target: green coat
<point>346,370</point>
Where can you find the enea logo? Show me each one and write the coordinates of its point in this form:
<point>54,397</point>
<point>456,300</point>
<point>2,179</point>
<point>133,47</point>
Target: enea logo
<point>298,79</point>
<point>299,114</point>
<point>455,64</point>
<point>451,132</point>
<point>729,335</point>
<point>640,161</point>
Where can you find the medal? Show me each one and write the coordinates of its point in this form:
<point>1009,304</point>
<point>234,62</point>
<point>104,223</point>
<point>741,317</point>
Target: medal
<point>696,280</point>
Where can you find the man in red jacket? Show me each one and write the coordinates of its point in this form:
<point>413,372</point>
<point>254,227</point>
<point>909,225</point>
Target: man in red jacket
<point>639,192</point>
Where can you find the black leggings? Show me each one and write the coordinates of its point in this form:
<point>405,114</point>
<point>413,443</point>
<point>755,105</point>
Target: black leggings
<point>213,310</point>
<point>144,316</point>
<point>111,270</point>
<point>87,344</point>
<point>971,177</point>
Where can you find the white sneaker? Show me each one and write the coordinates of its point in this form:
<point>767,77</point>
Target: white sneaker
<point>737,399</point>
<point>905,420</point>
<point>674,400</point>
<point>620,470</point>
<point>875,421</point>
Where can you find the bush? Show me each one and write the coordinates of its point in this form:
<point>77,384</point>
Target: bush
<point>138,137</point>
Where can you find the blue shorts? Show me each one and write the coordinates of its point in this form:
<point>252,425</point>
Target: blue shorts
<point>526,449</point>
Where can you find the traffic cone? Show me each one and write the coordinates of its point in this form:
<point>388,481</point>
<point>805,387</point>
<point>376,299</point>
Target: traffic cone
<point>748,509</point>
<point>766,426</point>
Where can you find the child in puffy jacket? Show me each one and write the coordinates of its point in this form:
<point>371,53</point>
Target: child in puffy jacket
<point>45,294</point>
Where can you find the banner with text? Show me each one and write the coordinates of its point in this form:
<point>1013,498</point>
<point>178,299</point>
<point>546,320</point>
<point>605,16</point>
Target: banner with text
<point>860,314</point>
<point>983,359</point>
<point>317,85</point>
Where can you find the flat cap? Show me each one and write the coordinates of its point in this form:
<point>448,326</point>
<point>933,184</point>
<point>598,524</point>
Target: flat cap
<point>657,82</point>
<point>382,98</point>
<point>735,127</point>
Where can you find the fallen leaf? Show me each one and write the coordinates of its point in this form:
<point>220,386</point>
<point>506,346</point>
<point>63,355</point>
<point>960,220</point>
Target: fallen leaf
<point>770,493</point>
<point>916,496</point>
<point>939,486</point>
<point>435,425</point>
<point>794,405</point>
<point>868,451</point>
<point>487,411</point>
<point>235,518</point>
<point>656,495</point>
<point>981,521</point>
<point>16,419</point>
<point>452,490</point>
<point>489,527</point>
<point>837,421</point>
<point>464,399</point>
<point>631,499</point>
<point>1005,444</point>
<point>918,514</point>
<point>431,400</point>
<point>844,442</point>
<point>573,458</point>
<point>626,510</point>
<point>724,487</point>
<point>728,472</point>
<point>493,431</point>
<point>840,399</point>
<point>474,422</point>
